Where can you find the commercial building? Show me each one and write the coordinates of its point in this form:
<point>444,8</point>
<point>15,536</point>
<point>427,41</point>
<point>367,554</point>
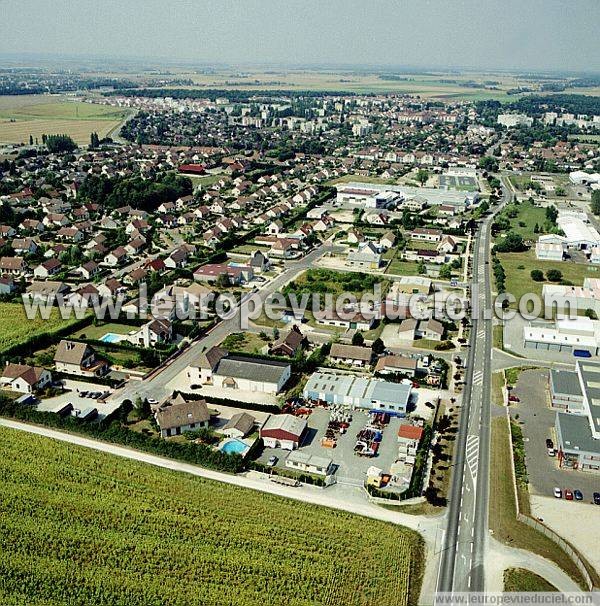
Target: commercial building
<point>219,368</point>
<point>579,234</point>
<point>283,431</point>
<point>302,461</point>
<point>512,120</point>
<point>565,390</point>
<point>547,251</point>
<point>562,299</point>
<point>578,435</point>
<point>358,392</point>
<point>571,336</point>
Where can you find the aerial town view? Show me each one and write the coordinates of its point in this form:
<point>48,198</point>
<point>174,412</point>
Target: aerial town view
<point>299,303</point>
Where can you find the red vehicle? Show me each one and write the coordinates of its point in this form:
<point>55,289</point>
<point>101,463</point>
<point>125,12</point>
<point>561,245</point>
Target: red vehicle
<point>512,398</point>
<point>568,495</point>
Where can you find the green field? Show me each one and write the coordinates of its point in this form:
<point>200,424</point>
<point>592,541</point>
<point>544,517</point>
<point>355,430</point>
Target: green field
<point>36,115</point>
<point>518,268</point>
<point>521,579</point>
<point>15,328</point>
<point>84,527</point>
<point>524,223</point>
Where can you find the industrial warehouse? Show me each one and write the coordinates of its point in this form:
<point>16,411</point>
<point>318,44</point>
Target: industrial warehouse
<point>358,392</point>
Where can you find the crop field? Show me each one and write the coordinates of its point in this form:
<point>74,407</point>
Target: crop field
<point>84,527</point>
<point>36,115</point>
<point>15,328</point>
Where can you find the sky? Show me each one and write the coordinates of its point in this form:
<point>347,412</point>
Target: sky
<point>492,34</point>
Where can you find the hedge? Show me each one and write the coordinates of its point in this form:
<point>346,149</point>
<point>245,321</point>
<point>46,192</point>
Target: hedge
<point>111,429</point>
<point>270,408</point>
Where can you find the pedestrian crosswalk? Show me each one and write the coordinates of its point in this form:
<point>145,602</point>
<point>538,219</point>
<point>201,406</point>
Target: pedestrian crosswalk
<point>473,455</point>
<point>478,378</point>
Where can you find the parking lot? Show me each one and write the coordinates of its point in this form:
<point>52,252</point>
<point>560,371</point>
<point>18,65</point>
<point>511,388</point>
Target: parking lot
<point>537,419</point>
<point>74,392</point>
<point>351,468</point>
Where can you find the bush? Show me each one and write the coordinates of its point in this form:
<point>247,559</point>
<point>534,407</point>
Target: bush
<point>537,275</point>
<point>554,275</point>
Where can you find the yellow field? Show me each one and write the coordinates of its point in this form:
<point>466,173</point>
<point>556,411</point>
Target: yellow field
<point>35,115</point>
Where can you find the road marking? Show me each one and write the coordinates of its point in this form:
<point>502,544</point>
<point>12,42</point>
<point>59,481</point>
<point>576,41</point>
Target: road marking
<point>473,455</point>
<point>478,378</point>
<point>480,334</point>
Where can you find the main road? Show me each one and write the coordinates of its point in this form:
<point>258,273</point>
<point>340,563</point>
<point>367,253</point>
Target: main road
<point>465,541</point>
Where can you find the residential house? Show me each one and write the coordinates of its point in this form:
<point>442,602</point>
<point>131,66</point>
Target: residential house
<point>178,415</point>
<point>24,378</point>
<point>239,426</point>
<point>80,359</point>
<point>353,355</point>
<point>47,269</point>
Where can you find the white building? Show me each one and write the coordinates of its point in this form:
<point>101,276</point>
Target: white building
<point>579,235</point>
<point>565,336</point>
<point>546,251</point>
<point>512,120</point>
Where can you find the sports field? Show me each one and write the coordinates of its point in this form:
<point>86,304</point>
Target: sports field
<point>84,527</point>
<point>35,115</point>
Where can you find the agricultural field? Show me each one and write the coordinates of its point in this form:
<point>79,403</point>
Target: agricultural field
<point>15,328</point>
<point>84,527</point>
<point>36,115</point>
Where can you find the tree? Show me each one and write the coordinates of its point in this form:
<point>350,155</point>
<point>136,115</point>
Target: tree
<point>513,242</point>
<point>445,272</point>
<point>378,346</point>
<point>595,205</point>
<point>358,339</point>
<point>30,140</point>
<point>537,275</point>
<point>488,163</point>
<point>554,275</point>
<point>551,214</point>
<point>57,144</point>
<point>422,176</point>
<point>591,314</point>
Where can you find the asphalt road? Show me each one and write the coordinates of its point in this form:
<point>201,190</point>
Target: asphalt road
<point>465,541</point>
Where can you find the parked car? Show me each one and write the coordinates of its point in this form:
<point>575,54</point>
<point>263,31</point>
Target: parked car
<point>551,452</point>
<point>558,493</point>
<point>272,461</point>
<point>513,398</point>
<point>569,495</point>
<point>597,498</point>
<point>549,443</point>
<point>578,495</point>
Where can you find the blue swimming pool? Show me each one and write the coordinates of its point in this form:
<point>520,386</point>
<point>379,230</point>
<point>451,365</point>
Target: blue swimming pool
<point>111,337</point>
<point>234,447</point>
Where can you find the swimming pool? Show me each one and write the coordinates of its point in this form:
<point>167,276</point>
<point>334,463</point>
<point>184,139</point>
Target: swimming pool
<point>233,446</point>
<point>111,337</point>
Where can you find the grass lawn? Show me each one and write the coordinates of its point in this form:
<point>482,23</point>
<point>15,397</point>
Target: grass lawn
<point>15,328</point>
<point>524,223</point>
<point>246,342</point>
<point>498,336</point>
<point>518,268</point>
<point>403,268</point>
<point>328,281</point>
<point>73,513</point>
<point>98,331</point>
<point>497,387</point>
<point>502,512</point>
<point>521,579</point>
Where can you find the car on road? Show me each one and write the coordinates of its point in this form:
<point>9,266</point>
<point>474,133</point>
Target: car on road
<point>596,497</point>
<point>557,493</point>
<point>549,443</point>
<point>578,495</point>
<point>551,452</point>
<point>569,495</point>
<point>151,401</point>
<point>513,398</point>
<point>272,461</point>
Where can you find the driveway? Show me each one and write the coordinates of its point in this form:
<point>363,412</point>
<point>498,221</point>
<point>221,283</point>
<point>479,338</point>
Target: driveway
<point>72,395</point>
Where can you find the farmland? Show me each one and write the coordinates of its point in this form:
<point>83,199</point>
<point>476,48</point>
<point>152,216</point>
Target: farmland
<point>15,328</point>
<point>84,527</point>
<point>36,115</point>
